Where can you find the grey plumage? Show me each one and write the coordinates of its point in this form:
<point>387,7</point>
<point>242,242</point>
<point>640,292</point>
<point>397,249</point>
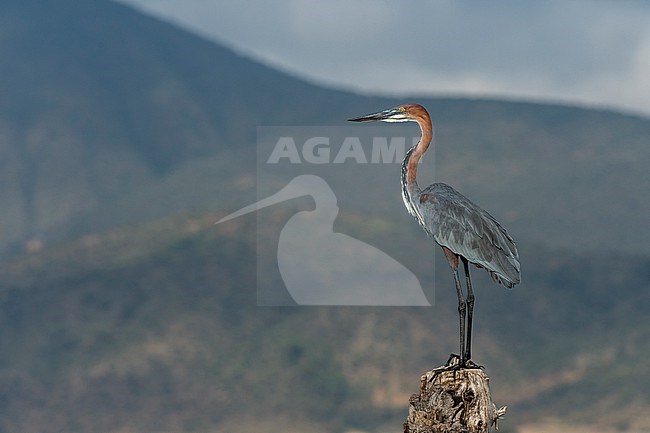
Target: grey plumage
<point>455,222</point>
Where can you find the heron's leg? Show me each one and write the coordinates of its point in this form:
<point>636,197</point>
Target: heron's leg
<point>452,259</point>
<point>461,315</point>
<point>470,311</point>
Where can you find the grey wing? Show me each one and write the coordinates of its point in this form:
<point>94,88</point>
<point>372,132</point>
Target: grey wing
<point>468,230</point>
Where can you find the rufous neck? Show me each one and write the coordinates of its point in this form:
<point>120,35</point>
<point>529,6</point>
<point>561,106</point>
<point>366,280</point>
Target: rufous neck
<point>426,135</point>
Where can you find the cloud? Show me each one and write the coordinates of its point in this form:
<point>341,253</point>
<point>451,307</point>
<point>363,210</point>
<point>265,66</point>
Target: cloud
<point>593,52</point>
<point>336,21</point>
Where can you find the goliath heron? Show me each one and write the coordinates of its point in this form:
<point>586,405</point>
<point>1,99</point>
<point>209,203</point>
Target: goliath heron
<point>466,232</point>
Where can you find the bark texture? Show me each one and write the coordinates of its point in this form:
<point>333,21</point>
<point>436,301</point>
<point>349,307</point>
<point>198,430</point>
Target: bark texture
<point>452,401</point>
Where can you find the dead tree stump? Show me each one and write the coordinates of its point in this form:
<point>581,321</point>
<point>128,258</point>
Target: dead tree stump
<point>458,402</point>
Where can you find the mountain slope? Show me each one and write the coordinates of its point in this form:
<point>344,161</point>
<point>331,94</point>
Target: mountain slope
<point>156,329</point>
<point>109,117</point>
<point>100,102</point>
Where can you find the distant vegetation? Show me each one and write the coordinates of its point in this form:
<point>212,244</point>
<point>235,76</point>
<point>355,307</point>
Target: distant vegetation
<point>122,138</point>
<point>110,117</point>
<point>156,326</point>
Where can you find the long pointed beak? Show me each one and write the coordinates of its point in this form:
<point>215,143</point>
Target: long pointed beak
<point>292,190</point>
<point>381,115</point>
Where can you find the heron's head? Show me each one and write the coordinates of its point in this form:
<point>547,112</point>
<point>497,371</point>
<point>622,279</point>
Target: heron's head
<point>401,113</point>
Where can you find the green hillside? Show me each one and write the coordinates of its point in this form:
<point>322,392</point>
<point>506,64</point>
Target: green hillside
<point>103,107</point>
<point>124,309</point>
<point>109,117</point>
<point>155,328</point>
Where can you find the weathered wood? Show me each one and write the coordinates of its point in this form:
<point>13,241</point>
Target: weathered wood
<point>452,401</point>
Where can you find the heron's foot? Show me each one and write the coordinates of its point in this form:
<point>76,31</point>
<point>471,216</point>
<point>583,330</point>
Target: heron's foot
<point>469,364</point>
<point>453,359</point>
<point>455,363</point>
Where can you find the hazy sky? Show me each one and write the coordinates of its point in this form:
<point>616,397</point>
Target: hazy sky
<point>578,51</point>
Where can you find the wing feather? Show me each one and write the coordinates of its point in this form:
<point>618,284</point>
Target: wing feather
<point>468,230</point>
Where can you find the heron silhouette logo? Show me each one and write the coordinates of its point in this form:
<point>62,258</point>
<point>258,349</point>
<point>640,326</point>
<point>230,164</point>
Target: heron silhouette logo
<point>321,267</point>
